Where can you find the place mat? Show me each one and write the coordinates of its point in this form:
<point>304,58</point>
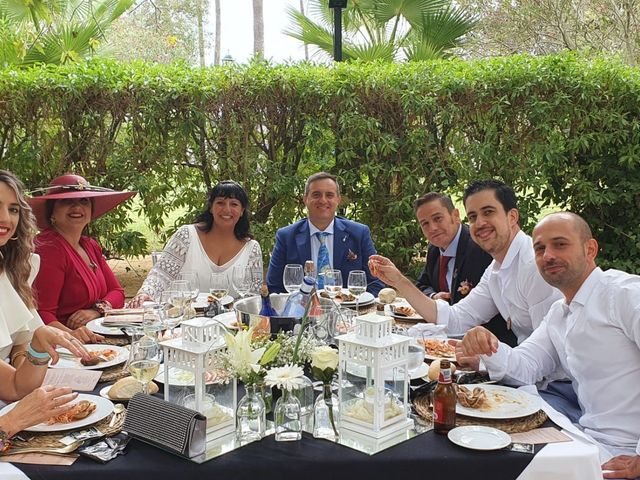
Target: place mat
<point>52,440</point>
<point>114,373</point>
<point>511,425</point>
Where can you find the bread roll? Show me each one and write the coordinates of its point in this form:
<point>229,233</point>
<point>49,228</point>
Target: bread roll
<point>387,295</point>
<point>434,369</point>
<point>127,387</point>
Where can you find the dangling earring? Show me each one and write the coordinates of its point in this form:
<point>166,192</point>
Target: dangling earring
<point>52,220</point>
<point>14,238</point>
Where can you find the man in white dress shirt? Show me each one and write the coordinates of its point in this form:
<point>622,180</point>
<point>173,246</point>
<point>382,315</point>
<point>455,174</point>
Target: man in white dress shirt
<point>593,334</point>
<point>511,284</point>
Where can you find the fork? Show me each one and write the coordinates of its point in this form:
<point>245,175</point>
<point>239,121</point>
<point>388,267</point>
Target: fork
<point>53,450</point>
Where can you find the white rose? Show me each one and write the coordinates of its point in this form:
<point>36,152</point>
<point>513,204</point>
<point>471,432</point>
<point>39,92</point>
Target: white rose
<point>324,357</point>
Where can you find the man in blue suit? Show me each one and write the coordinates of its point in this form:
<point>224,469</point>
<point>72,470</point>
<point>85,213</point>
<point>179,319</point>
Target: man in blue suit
<point>331,242</point>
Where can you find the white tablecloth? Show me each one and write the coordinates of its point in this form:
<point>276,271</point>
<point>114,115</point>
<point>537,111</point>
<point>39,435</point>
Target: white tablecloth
<point>575,460</point>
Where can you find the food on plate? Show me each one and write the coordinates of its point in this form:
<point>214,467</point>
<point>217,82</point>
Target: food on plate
<point>97,356</point>
<point>341,296</point>
<point>439,348</point>
<point>434,369</point>
<point>80,410</point>
<point>127,387</point>
<point>387,295</point>
<point>476,398</point>
<point>406,311</point>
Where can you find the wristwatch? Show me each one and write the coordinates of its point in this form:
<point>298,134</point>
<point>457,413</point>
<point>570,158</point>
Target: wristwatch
<point>101,306</point>
<point>5,441</point>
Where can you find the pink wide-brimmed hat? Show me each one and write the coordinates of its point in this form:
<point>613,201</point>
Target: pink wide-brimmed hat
<point>75,186</point>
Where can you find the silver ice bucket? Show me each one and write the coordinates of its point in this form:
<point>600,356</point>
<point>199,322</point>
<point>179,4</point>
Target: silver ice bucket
<point>248,313</point>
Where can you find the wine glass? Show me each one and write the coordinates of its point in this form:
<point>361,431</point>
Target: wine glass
<point>416,357</point>
<point>152,320</point>
<point>332,283</point>
<point>144,361</point>
<point>192,282</point>
<point>241,279</point>
<point>174,303</point>
<point>292,277</point>
<point>357,284</point>
<point>218,286</point>
<point>184,287</point>
<point>256,279</point>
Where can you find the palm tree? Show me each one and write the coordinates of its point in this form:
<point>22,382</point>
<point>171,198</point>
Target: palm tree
<point>56,32</point>
<point>258,28</point>
<point>386,29</point>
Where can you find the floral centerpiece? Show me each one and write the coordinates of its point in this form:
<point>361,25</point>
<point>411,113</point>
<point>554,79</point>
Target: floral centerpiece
<point>246,358</point>
<point>324,363</point>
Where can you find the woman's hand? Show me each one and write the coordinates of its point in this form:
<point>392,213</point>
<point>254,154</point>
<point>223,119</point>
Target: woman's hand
<point>81,317</point>
<point>84,335</point>
<point>138,300</point>
<point>47,339</point>
<point>39,406</point>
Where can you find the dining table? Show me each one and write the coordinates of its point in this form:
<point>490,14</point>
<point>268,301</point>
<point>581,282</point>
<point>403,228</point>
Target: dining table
<point>428,454</point>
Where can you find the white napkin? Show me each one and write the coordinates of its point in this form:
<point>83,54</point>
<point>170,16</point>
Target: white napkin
<point>425,330</point>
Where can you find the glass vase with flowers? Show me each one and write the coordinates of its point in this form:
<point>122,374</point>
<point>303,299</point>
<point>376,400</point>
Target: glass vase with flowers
<point>326,411</point>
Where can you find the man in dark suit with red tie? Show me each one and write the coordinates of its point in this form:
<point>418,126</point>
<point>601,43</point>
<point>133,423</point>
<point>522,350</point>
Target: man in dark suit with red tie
<point>455,263</point>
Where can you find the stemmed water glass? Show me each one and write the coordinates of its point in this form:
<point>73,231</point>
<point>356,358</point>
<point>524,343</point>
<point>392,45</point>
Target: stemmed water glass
<point>292,277</point>
<point>357,284</point>
<point>144,361</point>
<point>241,279</point>
<point>219,287</point>
<point>174,303</point>
<point>333,283</point>
<point>184,287</point>
<point>192,282</point>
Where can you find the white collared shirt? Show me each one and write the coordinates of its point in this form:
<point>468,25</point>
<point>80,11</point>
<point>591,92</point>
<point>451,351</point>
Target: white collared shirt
<point>514,289</point>
<point>315,243</point>
<point>596,340</point>
<point>450,251</point>
<point>17,322</point>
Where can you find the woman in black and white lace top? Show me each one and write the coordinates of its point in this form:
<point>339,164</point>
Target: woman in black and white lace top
<point>218,241</point>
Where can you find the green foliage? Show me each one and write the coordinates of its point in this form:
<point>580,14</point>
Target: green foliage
<point>563,130</point>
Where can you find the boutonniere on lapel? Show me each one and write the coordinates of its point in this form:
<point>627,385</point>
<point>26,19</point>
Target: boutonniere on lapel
<point>351,256</point>
<point>465,287</point>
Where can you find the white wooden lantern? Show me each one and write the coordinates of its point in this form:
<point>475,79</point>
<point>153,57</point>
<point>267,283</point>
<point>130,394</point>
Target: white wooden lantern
<point>374,378</point>
<point>192,378</point>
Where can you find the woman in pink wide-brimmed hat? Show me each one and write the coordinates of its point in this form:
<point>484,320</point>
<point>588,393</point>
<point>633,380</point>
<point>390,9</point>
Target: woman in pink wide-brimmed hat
<point>75,285</point>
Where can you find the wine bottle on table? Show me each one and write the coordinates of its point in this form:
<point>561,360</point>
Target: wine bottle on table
<point>267,309</point>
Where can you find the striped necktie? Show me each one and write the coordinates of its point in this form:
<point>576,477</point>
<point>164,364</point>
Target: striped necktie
<point>323,257</point>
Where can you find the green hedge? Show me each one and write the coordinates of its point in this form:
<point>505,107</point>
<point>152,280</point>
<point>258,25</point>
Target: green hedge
<point>563,130</point>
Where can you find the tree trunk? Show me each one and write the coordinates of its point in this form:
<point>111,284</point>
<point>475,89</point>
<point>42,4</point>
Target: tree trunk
<point>216,58</point>
<point>258,28</point>
<point>306,47</point>
<point>200,10</point>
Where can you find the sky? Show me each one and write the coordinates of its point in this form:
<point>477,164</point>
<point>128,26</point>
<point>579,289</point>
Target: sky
<point>237,30</point>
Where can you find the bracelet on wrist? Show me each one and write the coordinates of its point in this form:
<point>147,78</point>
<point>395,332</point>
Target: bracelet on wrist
<point>101,306</point>
<point>17,355</point>
<point>36,354</point>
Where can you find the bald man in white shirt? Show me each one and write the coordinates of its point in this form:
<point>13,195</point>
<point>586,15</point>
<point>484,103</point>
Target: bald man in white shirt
<point>593,334</point>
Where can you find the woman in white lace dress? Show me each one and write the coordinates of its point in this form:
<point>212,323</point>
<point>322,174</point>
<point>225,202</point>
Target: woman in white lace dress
<point>217,241</point>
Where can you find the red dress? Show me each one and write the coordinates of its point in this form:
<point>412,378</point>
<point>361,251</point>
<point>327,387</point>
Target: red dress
<point>66,284</point>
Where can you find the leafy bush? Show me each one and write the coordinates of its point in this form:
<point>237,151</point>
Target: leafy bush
<point>563,130</point>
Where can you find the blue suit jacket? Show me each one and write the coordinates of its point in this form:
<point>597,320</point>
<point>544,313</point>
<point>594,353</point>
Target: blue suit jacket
<point>352,246</point>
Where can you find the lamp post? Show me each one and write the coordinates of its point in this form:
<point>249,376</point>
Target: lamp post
<point>227,59</point>
<point>337,6</point>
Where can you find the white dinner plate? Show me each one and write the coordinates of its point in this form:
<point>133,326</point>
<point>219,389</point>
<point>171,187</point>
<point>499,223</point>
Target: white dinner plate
<point>366,299</point>
<point>503,402</point>
<point>177,377</point>
<point>407,318</point>
<point>202,301</point>
<point>104,407</point>
<point>398,301</point>
<point>360,371</point>
<point>73,362</point>
<point>477,437</point>
<point>96,327</point>
<point>431,356</point>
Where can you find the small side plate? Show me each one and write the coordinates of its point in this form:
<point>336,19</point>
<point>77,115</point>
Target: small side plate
<point>477,437</point>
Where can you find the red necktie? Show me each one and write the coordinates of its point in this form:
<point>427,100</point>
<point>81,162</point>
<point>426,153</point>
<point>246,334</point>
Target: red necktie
<point>442,273</point>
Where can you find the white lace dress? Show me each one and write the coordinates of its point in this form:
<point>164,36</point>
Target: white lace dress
<point>184,253</point>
